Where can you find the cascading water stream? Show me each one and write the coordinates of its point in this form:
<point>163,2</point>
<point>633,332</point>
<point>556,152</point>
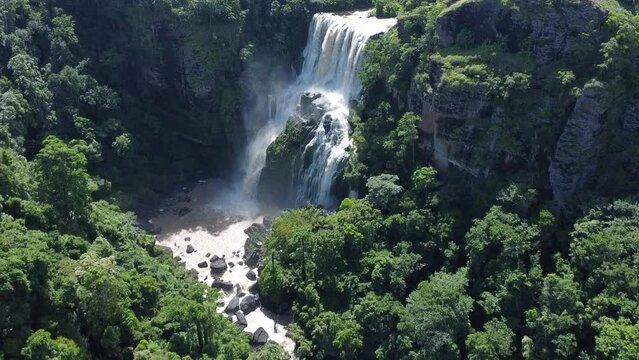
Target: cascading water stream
<point>332,57</point>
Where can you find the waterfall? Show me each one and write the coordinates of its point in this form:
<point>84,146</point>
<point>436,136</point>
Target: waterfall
<point>332,58</point>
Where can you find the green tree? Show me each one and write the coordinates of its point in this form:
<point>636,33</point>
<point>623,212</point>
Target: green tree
<point>270,351</point>
<point>337,335</point>
<point>618,339</point>
<point>436,319</point>
<point>63,182</point>
<point>494,342</point>
<point>383,191</point>
<point>41,346</point>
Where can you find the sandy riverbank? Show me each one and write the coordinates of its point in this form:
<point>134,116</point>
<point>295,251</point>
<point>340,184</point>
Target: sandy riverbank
<point>212,220</point>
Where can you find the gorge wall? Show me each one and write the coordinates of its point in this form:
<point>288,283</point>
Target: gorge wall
<point>508,89</point>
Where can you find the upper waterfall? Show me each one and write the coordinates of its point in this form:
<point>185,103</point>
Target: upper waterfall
<point>333,56</point>
<point>335,50</point>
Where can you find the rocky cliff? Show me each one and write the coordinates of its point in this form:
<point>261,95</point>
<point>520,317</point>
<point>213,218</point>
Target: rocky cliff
<point>505,88</point>
<point>579,148</point>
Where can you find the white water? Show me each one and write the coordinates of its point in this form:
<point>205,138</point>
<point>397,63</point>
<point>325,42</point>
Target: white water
<point>333,55</point>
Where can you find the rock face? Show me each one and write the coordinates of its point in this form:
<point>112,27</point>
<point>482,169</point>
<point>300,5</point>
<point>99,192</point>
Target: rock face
<point>249,303</point>
<point>276,181</point>
<point>557,31</point>
<point>260,337</point>
<point>579,147</point>
<point>461,123</point>
<point>450,115</point>
<point>483,21</point>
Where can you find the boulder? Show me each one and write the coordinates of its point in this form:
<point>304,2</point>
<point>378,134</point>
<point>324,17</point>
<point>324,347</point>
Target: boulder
<point>260,337</point>
<point>241,319</point>
<point>178,259</point>
<point>190,249</point>
<point>208,254</point>
<point>218,265</point>
<point>193,273</point>
<point>251,275</point>
<point>254,288</point>
<point>254,228</point>
<point>202,264</point>
<point>223,285</point>
<point>233,305</point>
<point>231,264</point>
<point>249,303</point>
<point>187,239</point>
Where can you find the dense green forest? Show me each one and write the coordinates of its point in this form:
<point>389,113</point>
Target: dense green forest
<point>505,228</point>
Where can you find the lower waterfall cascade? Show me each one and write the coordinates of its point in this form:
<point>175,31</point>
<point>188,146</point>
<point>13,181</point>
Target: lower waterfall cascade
<point>333,56</point>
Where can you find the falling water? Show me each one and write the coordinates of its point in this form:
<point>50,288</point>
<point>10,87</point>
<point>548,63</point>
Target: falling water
<point>333,55</point>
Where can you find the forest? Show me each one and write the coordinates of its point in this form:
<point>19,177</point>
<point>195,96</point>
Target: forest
<point>495,154</point>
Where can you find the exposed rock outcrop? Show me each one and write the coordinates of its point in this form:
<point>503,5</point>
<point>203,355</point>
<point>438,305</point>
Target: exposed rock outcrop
<point>481,20</point>
<point>579,147</point>
<point>276,181</point>
<point>559,31</point>
<point>253,245</point>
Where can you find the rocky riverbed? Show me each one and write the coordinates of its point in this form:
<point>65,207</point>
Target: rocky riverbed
<point>207,227</point>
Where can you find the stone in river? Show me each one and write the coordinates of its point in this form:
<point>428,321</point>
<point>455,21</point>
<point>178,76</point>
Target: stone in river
<point>221,284</point>
<point>251,275</point>
<point>190,249</point>
<point>249,303</point>
<point>218,265</point>
<point>202,264</point>
<point>241,319</point>
<point>233,305</point>
<point>260,337</point>
<point>193,273</point>
<point>187,239</point>
<point>208,254</point>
